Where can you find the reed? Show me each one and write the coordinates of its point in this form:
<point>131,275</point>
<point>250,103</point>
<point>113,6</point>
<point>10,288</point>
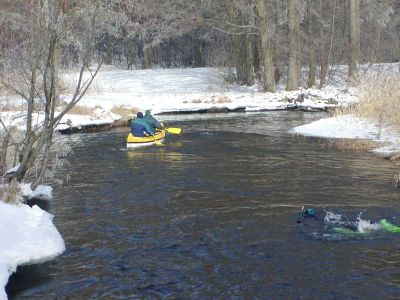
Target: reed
<point>82,110</point>
<point>350,145</point>
<point>379,101</point>
<point>123,110</point>
<point>10,193</point>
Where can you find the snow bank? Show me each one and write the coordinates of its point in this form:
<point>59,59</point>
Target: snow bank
<point>42,192</point>
<point>192,89</point>
<point>164,90</point>
<point>189,89</point>
<point>27,235</point>
<point>351,127</point>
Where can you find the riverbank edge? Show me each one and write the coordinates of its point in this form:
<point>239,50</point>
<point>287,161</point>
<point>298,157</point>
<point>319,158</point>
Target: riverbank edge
<point>29,235</point>
<point>124,122</point>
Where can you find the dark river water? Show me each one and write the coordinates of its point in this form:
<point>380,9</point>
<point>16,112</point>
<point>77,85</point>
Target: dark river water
<point>212,215</point>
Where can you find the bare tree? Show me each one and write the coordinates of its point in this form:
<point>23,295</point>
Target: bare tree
<point>294,29</point>
<point>311,44</point>
<point>266,38</point>
<point>32,72</point>
<point>354,52</point>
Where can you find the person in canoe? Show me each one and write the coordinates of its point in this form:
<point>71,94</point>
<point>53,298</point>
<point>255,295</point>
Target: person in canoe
<point>139,127</point>
<point>151,121</point>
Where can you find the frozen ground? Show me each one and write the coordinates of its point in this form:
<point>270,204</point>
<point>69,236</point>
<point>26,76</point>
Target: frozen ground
<point>350,127</point>
<point>191,89</point>
<point>27,236</point>
<point>166,90</point>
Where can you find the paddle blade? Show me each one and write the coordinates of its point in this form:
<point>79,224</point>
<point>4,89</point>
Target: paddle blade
<point>174,130</point>
<point>158,143</point>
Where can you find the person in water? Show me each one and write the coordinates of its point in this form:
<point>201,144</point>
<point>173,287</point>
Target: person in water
<point>139,127</point>
<point>151,121</point>
<point>306,213</point>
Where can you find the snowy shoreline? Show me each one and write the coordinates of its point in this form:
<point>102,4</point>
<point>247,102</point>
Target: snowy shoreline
<point>165,92</point>
<point>351,127</point>
<point>168,92</point>
<point>27,236</point>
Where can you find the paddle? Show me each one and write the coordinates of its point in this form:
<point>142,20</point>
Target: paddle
<point>158,143</point>
<point>173,130</point>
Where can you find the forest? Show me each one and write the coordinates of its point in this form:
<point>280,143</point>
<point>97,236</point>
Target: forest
<point>298,44</point>
<point>272,171</point>
<point>263,40</point>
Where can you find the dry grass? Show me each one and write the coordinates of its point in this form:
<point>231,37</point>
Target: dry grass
<point>350,144</point>
<point>10,107</point>
<point>81,110</point>
<point>379,101</point>
<point>396,177</point>
<point>10,193</point>
<point>396,180</point>
<point>219,100</point>
<point>123,110</point>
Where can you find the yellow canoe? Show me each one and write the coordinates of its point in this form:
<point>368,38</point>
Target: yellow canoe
<point>134,141</point>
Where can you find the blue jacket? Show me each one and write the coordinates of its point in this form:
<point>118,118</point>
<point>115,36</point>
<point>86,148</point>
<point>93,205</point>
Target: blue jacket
<point>139,127</point>
<point>153,123</point>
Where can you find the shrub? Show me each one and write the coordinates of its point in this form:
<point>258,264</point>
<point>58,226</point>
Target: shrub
<point>379,100</point>
<point>123,110</point>
<point>10,193</point>
<point>350,144</point>
<point>81,110</point>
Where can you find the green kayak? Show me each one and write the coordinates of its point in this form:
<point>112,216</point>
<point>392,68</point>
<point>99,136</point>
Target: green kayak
<point>389,227</point>
<point>348,232</point>
<point>385,224</point>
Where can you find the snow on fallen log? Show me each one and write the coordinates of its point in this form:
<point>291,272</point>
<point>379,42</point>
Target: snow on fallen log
<point>27,236</point>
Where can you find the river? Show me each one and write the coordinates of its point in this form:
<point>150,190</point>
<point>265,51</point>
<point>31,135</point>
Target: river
<point>212,215</point>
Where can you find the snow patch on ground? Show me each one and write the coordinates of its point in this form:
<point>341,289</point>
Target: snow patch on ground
<point>164,90</point>
<point>43,192</point>
<point>27,236</point>
<point>191,89</point>
<point>351,127</point>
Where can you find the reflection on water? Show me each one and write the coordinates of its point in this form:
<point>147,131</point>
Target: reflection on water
<point>213,215</point>
<point>160,155</point>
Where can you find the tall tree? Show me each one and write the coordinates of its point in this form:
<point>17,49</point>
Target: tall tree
<point>294,29</point>
<point>354,53</point>
<point>266,38</point>
<point>36,65</point>
<point>311,44</point>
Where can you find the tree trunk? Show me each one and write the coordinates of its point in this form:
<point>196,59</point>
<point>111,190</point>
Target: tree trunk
<point>249,70</point>
<point>147,56</point>
<point>322,46</point>
<point>294,28</point>
<point>129,54</point>
<point>256,57</point>
<point>354,38</point>
<point>3,153</point>
<point>239,58</point>
<point>311,45</point>
<point>266,47</point>
<point>197,54</point>
<point>109,55</point>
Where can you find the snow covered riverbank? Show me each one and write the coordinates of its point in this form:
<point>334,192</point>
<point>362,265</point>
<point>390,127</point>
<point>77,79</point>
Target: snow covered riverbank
<point>178,90</point>
<point>166,90</point>
<point>27,236</point>
<point>195,89</point>
<point>350,127</point>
